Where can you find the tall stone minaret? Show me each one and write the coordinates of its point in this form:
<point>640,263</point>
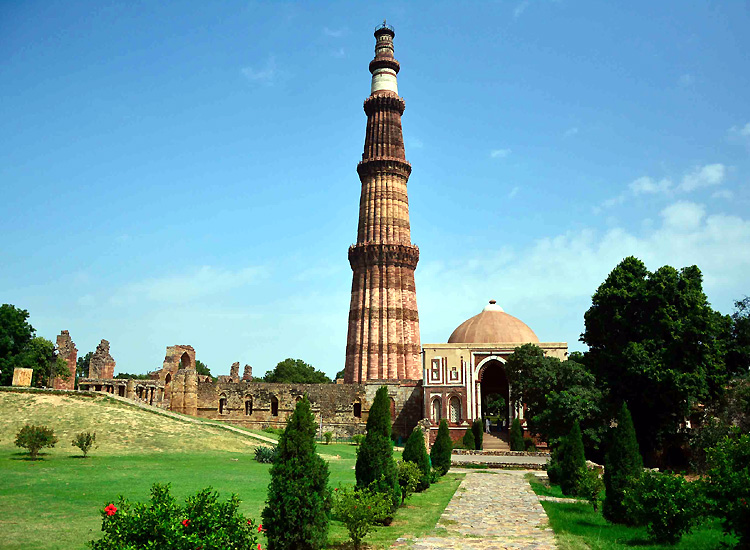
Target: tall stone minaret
<point>383,340</point>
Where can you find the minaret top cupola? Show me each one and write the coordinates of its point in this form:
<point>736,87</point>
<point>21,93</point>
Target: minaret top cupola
<point>384,67</point>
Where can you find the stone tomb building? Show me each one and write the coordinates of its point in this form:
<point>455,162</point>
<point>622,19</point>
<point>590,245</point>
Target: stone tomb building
<point>457,375</point>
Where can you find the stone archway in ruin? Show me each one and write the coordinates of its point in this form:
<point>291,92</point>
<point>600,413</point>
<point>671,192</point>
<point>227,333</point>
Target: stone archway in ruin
<point>493,381</point>
<point>185,361</point>
<point>168,386</point>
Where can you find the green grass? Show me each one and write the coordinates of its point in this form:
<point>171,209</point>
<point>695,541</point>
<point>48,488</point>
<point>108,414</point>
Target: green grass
<point>544,489</point>
<point>55,503</point>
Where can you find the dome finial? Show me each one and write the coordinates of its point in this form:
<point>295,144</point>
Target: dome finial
<point>493,301</point>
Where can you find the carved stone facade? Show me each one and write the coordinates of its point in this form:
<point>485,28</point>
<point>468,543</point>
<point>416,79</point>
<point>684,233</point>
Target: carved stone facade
<point>66,350</point>
<point>102,365</point>
<point>383,338</point>
<point>22,377</point>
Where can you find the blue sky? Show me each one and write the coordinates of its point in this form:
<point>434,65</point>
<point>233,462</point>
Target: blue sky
<point>184,172</point>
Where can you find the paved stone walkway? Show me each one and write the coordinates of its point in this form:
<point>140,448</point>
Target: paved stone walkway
<point>492,511</point>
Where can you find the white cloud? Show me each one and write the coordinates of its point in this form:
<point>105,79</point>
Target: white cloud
<point>741,134</point>
<point>339,54</point>
<point>683,215</point>
<point>185,287</point>
<point>266,75</point>
<point>514,192</point>
<point>703,176</point>
<point>646,185</point>
<point>520,8</point>
<point>570,132</point>
<point>686,80</point>
<point>334,33</point>
<point>722,194</point>
<point>499,153</point>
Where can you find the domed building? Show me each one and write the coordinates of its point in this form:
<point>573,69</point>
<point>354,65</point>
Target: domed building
<point>460,375</point>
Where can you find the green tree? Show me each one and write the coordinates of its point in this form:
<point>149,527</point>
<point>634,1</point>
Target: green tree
<point>82,366</point>
<point>375,467</point>
<point>738,354</point>
<point>468,440</point>
<point>202,369</point>
<point>573,463</point>
<point>35,438</point>
<point>440,454</point>
<point>339,374</point>
<point>622,467</point>
<point>415,451</point>
<point>494,405</point>
<point>516,436</point>
<point>478,430</point>
<point>298,503</point>
<point>84,441</point>
<point>655,342</point>
<point>39,354</point>
<point>15,334</point>
<point>556,394</point>
<point>295,371</point>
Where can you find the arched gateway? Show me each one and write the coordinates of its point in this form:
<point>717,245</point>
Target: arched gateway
<point>470,369</point>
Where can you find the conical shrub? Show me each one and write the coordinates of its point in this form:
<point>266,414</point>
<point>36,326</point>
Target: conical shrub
<point>516,436</point>
<point>572,463</point>
<point>415,451</point>
<point>476,428</point>
<point>440,455</point>
<point>468,440</point>
<point>623,465</point>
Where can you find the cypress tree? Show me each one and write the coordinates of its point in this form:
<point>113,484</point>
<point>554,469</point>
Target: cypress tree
<point>572,462</point>
<point>516,436</point>
<point>441,449</point>
<point>623,465</point>
<point>298,503</point>
<point>414,451</point>
<point>375,467</point>
<point>468,440</point>
<point>478,430</point>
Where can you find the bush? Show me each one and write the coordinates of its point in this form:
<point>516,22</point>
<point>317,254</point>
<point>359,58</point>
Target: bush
<point>359,510</point>
<point>468,440</point>
<point>203,522</point>
<point>272,430</point>
<point>572,462</point>
<point>728,484</point>
<point>375,468</point>
<point>476,427</point>
<point>668,505</point>
<point>328,436</point>
<point>516,436</point>
<point>591,487</point>
<point>622,467</point>
<point>415,451</point>
<point>440,455</point>
<point>34,438</point>
<point>84,441</point>
<point>553,466</point>
<point>357,439</point>
<point>529,445</point>
<point>409,476</point>
<point>266,455</point>
<point>296,512</point>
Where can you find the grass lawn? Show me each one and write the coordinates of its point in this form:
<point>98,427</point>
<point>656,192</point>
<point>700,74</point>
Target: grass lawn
<point>55,503</point>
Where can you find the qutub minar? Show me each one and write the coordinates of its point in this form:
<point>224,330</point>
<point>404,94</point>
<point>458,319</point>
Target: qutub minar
<point>383,339</point>
<point>450,381</point>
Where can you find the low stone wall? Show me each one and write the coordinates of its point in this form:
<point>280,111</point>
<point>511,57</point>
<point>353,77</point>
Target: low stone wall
<point>499,453</point>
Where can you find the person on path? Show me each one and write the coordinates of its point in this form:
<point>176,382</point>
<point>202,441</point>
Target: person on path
<point>487,425</point>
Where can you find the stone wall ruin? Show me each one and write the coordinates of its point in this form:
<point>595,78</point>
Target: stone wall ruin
<point>67,351</point>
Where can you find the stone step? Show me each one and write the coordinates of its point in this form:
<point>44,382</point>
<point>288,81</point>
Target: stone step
<point>493,442</point>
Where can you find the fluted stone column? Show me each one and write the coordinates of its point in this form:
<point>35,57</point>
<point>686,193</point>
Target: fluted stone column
<point>383,340</point>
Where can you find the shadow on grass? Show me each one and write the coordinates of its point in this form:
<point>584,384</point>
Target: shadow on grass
<point>27,457</point>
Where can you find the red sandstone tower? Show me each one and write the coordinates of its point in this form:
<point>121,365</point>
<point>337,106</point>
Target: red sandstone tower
<point>383,340</point>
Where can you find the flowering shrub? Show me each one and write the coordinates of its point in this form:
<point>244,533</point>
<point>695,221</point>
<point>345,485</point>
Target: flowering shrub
<point>35,438</point>
<point>265,455</point>
<point>360,510</point>
<point>668,505</point>
<point>202,522</point>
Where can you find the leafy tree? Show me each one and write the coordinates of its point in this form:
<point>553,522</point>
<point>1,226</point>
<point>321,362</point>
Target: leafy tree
<point>738,354</point>
<point>15,334</point>
<point>39,354</point>
<point>655,342</point>
<point>516,436</point>
<point>295,371</point>
<point>468,440</point>
<point>35,438</point>
<point>360,510</point>
<point>129,376</point>
<point>494,405</point>
<point>622,467</point>
<point>375,467</point>
<point>84,441</point>
<point>409,475</point>
<point>82,366</point>
<point>728,484</point>
<point>415,451</point>
<point>339,374</point>
<point>440,455</point>
<point>202,369</point>
<point>478,430</point>
<point>556,394</point>
<point>298,503</point>
<point>573,463</point>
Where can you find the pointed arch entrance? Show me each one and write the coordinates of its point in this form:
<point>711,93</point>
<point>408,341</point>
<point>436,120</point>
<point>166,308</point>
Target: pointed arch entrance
<point>493,383</point>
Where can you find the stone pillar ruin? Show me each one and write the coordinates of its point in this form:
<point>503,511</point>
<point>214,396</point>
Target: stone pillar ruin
<point>66,350</point>
<point>190,402</point>
<point>130,389</point>
<point>247,375</point>
<point>102,366</point>
<point>177,400</point>
<point>234,372</point>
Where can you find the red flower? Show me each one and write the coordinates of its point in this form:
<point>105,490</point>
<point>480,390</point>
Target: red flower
<point>258,546</point>
<point>260,528</point>
<point>336,489</point>
<point>110,509</point>
<point>185,522</point>
<point>249,522</point>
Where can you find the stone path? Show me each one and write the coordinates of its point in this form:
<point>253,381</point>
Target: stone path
<point>492,511</point>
